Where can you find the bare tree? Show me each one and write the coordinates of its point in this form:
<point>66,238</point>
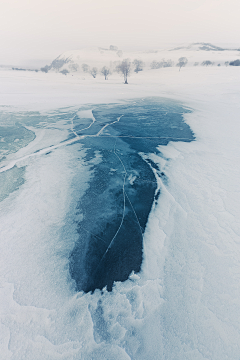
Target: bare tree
<point>73,66</point>
<point>113,48</point>
<point>45,68</point>
<point>124,68</point>
<point>85,68</point>
<point>64,71</point>
<point>58,63</point>
<point>182,61</point>
<point>207,63</point>
<point>105,71</point>
<point>138,65</point>
<point>161,64</point>
<point>235,63</point>
<point>168,63</point>
<point>154,65</point>
<point>94,72</point>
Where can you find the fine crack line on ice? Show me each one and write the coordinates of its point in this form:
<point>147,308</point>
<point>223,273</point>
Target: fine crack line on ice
<point>72,126</point>
<point>135,215</point>
<point>40,152</point>
<point>163,187</point>
<point>107,126</point>
<point>52,147</point>
<point>77,137</point>
<point>96,236</point>
<point>124,207</point>
<point>127,194</point>
<point>88,127</point>
<point>141,137</point>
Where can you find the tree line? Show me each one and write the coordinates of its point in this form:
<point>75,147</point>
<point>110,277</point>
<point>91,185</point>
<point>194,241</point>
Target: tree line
<point>126,66</point>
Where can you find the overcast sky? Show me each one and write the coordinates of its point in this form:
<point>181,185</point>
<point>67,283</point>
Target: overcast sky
<point>43,29</point>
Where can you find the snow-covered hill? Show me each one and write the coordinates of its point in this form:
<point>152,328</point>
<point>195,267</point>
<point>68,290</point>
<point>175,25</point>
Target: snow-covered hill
<point>93,57</point>
<point>196,53</point>
<point>202,46</point>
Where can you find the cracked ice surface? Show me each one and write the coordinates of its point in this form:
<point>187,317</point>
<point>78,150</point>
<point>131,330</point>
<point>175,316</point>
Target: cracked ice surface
<point>115,209</point>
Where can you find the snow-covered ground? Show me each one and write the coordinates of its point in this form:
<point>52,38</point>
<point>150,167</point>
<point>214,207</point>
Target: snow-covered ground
<point>185,303</point>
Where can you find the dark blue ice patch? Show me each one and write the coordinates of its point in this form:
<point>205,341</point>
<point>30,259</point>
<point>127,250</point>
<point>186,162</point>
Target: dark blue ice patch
<point>122,189</point>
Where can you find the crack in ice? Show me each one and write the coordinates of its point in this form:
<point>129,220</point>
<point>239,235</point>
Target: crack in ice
<point>124,207</point>
<point>96,236</point>
<point>105,126</point>
<point>40,152</point>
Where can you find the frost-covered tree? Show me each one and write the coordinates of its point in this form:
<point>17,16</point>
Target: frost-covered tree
<point>113,48</point>
<point>105,71</point>
<point>58,63</point>
<point>73,66</point>
<point>154,65</point>
<point>182,61</point>
<point>138,64</point>
<point>85,68</point>
<point>45,68</point>
<point>207,63</point>
<point>167,63</point>
<point>196,64</point>
<point>226,63</point>
<point>94,72</point>
<point>64,72</point>
<point>235,63</point>
<point>161,64</point>
<point>124,68</point>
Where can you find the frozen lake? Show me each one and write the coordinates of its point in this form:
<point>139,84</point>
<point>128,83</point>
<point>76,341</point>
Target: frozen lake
<point>122,187</point>
<point>91,193</point>
<point>116,143</point>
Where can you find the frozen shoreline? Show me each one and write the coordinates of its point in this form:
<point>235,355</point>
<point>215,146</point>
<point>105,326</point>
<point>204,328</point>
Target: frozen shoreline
<point>185,304</point>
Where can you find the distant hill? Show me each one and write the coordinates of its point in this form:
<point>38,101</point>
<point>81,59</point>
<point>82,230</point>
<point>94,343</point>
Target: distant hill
<point>202,46</point>
<point>83,60</point>
<point>73,61</point>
